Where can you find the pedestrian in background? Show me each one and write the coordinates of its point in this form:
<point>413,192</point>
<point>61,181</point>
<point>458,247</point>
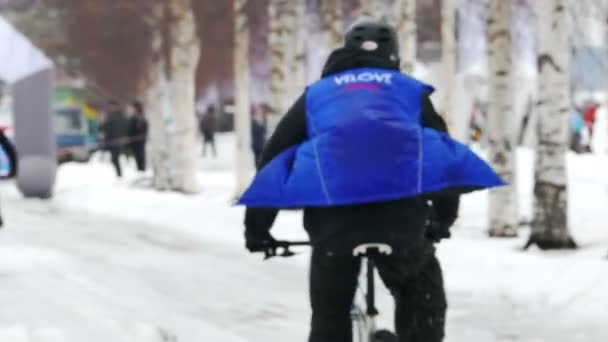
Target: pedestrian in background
<point>116,130</point>
<point>138,134</point>
<point>207,128</point>
<point>589,115</point>
<point>258,132</point>
<point>577,127</point>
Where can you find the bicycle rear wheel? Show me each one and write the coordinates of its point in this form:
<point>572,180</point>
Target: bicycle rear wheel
<point>361,328</point>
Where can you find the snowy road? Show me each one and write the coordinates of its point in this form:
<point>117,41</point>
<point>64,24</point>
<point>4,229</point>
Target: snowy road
<point>68,276</point>
<point>80,277</point>
<point>107,262</point>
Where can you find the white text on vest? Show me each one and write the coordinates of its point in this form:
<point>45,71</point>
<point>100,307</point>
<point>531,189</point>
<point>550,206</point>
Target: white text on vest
<point>365,77</point>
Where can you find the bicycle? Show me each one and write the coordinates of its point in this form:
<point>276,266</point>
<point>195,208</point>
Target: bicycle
<point>364,311</point>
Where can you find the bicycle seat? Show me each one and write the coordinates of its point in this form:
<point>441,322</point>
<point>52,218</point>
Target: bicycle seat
<point>368,249</point>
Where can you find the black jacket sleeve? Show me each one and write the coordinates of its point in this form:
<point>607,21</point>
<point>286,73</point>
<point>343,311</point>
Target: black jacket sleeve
<point>429,116</point>
<point>290,131</point>
<point>145,128</point>
<point>445,205</point>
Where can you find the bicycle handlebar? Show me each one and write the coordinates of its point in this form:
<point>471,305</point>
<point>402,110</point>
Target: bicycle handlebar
<point>282,249</point>
<point>293,243</point>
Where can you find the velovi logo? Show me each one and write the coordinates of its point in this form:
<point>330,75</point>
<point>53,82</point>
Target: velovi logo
<point>364,77</point>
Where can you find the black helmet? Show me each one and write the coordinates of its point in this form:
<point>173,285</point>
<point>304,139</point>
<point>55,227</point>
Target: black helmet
<point>374,36</point>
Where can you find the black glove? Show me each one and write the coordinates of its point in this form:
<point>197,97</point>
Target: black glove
<point>437,230</point>
<point>259,241</point>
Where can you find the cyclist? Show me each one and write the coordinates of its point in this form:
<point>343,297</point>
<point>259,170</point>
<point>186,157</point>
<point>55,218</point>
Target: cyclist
<point>365,154</point>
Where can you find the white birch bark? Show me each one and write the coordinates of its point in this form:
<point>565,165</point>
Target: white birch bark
<point>158,147</point>
<point>277,46</point>
<point>605,11</point>
<point>291,32</point>
<point>244,159</point>
<point>503,210</point>
<point>550,225</point>
<point>298,65</point>
<point>154,91</point>
<point>185,53</point>
<point>405,12</point>
<point>372,9</point>
<point>332,23</point>
<point>448,53</point>
<point>169,95</point>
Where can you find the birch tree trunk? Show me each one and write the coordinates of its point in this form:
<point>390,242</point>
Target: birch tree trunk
<point>298,65</point>
<point>294,44</point>
<point>550,224</point>
<point>372,9</point>
<point>154,90</point>
<point>405,11</point>
<point>277,46</point>
<point>158,145</point>
<point>332,24</point>
<point>185,53</point>
<point>503,210</point>
<point>168,90</point>
<point>242,97</point>
<point>448,54</point>
<point>605,10</point>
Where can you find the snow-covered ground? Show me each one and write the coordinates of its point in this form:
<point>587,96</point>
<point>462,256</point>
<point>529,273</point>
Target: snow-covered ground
<point>109,260</point>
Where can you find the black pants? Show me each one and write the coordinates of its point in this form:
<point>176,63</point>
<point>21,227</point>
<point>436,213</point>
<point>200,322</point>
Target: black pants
<point>257,155</point>
<point>115,156</point>
<point>413,276</point>
<point>209,139</point>
<point>139,153</point>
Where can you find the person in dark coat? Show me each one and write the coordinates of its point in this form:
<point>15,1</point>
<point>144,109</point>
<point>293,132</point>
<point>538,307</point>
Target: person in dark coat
<point>207,127</point>
<point>413,225</point>
<point>116,129</point>
<point>258,133</point>
<point>138,134</point>
<point>9,170</point>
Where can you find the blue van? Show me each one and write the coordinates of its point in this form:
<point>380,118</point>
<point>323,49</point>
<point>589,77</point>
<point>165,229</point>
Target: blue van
<point>72,135</point>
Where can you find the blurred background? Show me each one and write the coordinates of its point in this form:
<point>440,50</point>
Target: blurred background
<point>138,122</point>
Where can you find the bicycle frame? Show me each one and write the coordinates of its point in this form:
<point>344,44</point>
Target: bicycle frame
<point>365,320</point>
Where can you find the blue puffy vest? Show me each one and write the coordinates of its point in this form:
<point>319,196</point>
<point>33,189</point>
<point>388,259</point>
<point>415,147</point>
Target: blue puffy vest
<point>366,144</point>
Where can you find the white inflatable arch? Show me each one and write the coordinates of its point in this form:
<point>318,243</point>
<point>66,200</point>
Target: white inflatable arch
<point>28,72</point>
